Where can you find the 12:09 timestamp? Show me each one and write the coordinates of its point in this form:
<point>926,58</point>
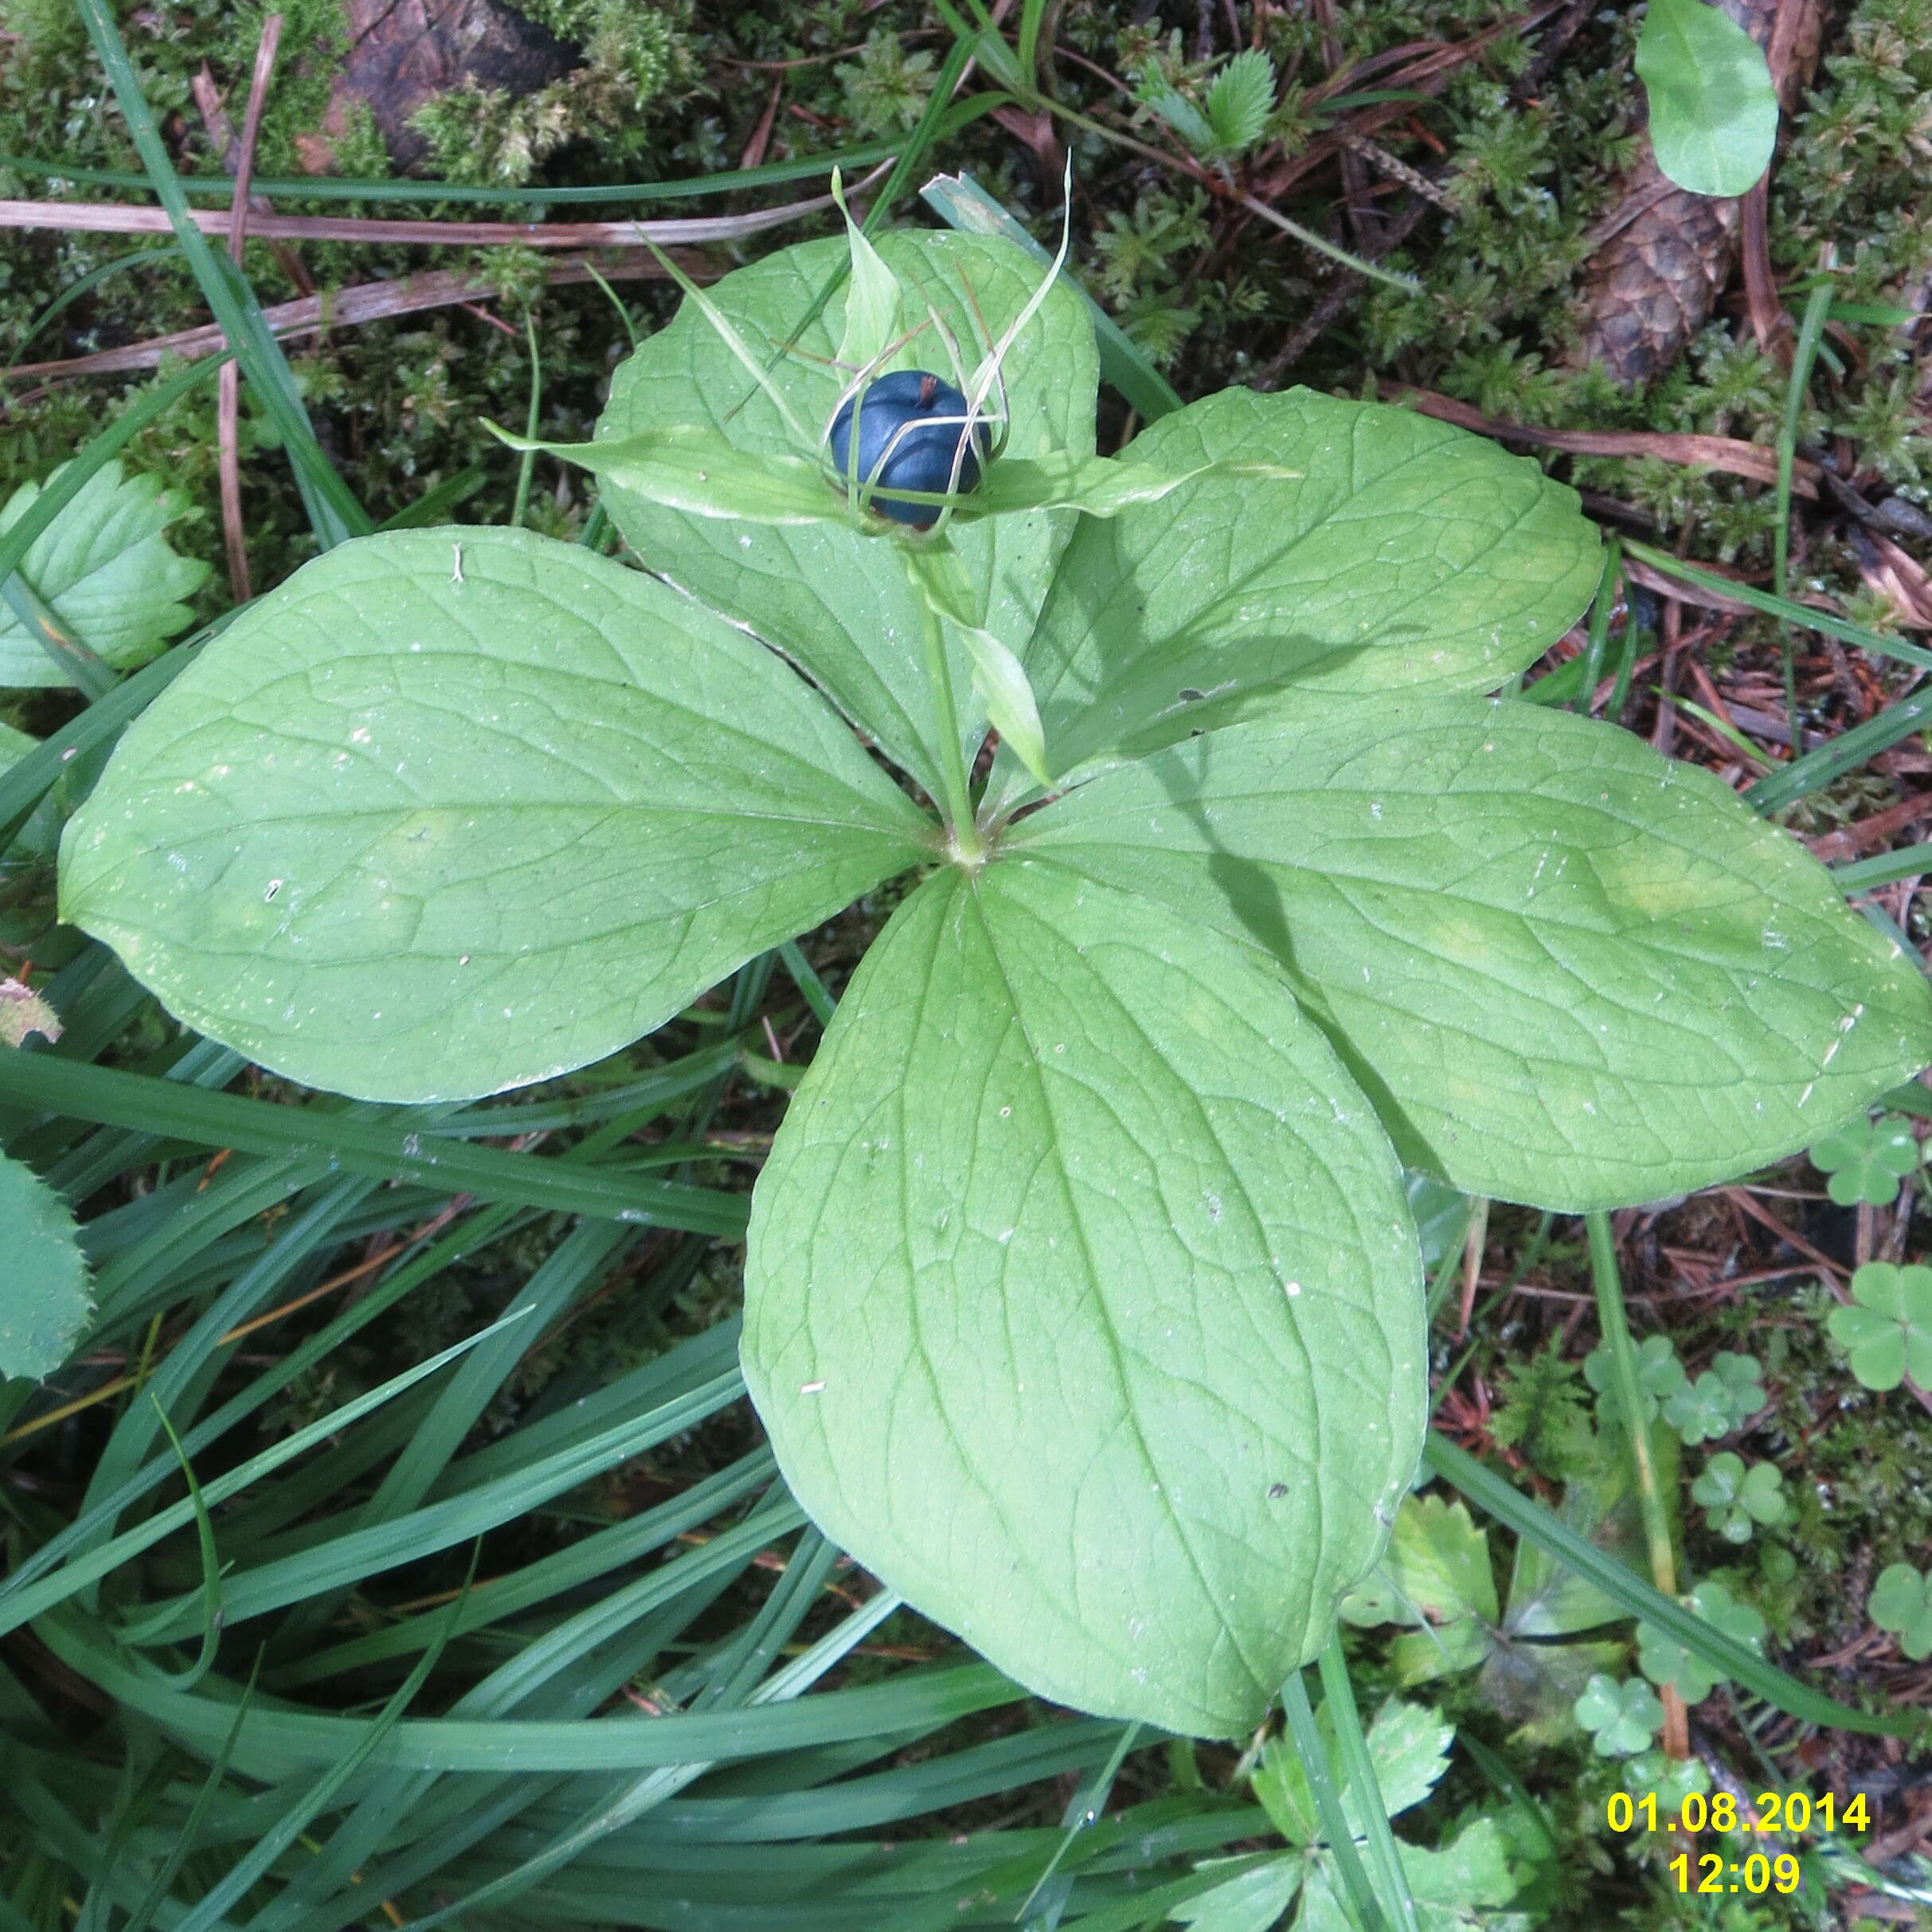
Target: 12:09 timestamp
<point>1757,1874</point>
<point>1792,1811</point>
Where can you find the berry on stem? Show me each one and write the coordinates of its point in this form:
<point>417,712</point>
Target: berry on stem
<point>912,428</point>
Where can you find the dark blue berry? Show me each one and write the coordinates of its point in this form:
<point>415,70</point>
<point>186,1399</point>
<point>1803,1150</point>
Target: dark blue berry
<point>921,422</point>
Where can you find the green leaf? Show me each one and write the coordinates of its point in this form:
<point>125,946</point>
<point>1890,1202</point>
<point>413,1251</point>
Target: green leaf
<point>837,602</point>
<point>1664,1659</point>
<point>1185,119</point>
<point>1241,101</point>
<point>1408,555</point>
<point>999,678</point>
<point>1901,1602</point>
<point>1074,1223</point>
<point>1456,1888</point>
<point>105,567</point>
<point>1888,1329</point>
<point>1659,1377</point>
<point>873,301</point>
<point>1621,1717</point>
<point>1724,1398</point>
<point>1096,486</point>
<point>1737,1498</point>
<point>1868,1159</point>
<point>1713,107</point>
<point>689,467</point>
<point>1436,1570</point>
<point>1670,1781</point>
<point>451,811</point>
<point>1252,1901</point>
<point>1408,1747</point>
<point>1568,972</point>
<point>43,1299</point>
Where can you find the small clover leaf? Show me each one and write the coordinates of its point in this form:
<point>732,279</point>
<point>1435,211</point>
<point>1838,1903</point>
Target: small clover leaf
<point>1901,1601</point>
<point>1866,1159</point>
<point>1660,1376</point>
<point>1887,1332</point>
<point>1664,1659</point>
<point>1621,1717</point>
<point>1722,1399</point>
<point>1669,1780</point>
<point>1737,1498</point>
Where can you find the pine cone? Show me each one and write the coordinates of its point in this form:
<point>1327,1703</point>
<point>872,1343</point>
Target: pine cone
<point>1665,255</point>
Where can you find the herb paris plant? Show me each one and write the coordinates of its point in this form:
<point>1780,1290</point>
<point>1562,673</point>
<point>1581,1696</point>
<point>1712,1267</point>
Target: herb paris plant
<point>1083,1299</point>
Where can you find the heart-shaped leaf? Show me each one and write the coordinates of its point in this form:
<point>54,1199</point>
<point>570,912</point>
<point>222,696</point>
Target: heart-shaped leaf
<point>455,810</point>
<point>1406,555</point>
<point>837,601</point>
<point>1082,1304</point>
<point>1569,972</point>
<point>1887,1330</point>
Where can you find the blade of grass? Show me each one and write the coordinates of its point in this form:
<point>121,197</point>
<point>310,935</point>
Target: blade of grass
<point>206,1912</point>
<point>1548,1533</point>
<point>284,1742</point>
<point>82,285</point>
<point>1083,1810</point>
<point>1615,1325</point>
<point>1338,1694</point>
<point>1313,1754</point>
<point>77,665</point>
<point>1609,588</point>
<point>1803,615</point>
<point>211,1563</point>
<point>521,504</point>
<point>961,203</point>
<point>19,1603</point>
<point>333,509</point>
<point>1906,862</point>
<point>1844,752</point>
<point>1804,356</point>
<point>407,1150</point>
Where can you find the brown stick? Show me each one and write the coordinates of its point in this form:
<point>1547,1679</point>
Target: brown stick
<point>1729,454</point>
<point>364,302</point>
<point>227,409</point>
<point>221,134</point>
<point>111,218</point>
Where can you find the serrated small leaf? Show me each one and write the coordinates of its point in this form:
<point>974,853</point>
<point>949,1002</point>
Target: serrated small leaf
<point>44,1297</point>
<point>1436,1569</point>
<point>451,811</point>
<point>1241,101</point>
<point>1252,1901</point>
<point>1076,1224</point>
<point>1571,973</point>
<point>106,568</point>
<point>1713,107</point>
<point>1185,119</point>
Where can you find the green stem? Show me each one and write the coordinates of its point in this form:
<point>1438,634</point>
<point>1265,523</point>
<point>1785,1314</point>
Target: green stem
<point>968,843</point>
<point>1629,1398</point>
